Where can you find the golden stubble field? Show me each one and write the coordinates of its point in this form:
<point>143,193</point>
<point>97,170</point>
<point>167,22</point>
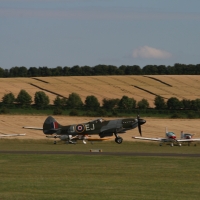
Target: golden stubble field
<point>137,87</point>
<point>153,128</point>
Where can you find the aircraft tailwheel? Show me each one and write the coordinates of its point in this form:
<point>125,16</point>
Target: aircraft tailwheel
<point>118,140</point>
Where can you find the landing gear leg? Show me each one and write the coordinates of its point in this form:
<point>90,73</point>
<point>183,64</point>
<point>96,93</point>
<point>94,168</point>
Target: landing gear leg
<point>118,139</point>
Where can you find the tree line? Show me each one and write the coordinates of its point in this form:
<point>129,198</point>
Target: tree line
<point>91,103</point>
<point>176,69</point>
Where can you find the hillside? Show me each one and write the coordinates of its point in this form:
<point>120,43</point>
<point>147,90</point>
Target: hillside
<point>137,87</point>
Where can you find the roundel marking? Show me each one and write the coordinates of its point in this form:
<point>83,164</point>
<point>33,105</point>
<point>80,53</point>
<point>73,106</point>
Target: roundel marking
<point>80,128</point>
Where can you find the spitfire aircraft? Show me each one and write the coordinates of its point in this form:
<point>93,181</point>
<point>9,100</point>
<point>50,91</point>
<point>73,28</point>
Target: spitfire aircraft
<point>103,128</point>
<point>172,139</point>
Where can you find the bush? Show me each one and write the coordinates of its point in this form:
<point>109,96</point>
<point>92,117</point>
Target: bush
<point>5,110</point>
<point>176,115</point>
<point>74,112</point>
<point>57,111</point>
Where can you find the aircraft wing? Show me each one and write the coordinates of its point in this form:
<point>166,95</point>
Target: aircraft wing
<point>29,127</point>
<point>11,135</point>
<point>98,139</point>
<point>152,139</point>
<point>189,140</point>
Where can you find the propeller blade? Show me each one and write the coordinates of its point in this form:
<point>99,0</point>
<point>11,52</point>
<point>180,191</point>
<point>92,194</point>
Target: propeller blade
<point>139,126</point>
<point>140,122</point>
<point>139,129</point>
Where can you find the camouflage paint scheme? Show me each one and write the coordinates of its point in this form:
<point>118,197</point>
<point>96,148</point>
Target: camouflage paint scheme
<point>99,127</point>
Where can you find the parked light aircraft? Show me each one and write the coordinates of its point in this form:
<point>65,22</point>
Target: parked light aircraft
<point>172,139</point>
<point>99,127</point>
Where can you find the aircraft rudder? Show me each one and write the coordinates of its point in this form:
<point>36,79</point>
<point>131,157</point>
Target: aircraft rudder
<point>50,125</point>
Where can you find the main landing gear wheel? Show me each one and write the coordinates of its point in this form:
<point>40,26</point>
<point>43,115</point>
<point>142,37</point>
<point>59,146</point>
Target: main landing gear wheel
<point>118,140</point>
<point>54,142</point>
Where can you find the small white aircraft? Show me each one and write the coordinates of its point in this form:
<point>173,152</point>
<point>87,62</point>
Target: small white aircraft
<point>171,138</point>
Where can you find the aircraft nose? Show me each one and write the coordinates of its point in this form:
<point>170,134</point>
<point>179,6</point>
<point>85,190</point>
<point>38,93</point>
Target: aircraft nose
<point>142,121</point>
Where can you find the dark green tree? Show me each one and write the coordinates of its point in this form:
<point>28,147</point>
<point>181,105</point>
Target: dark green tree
<point>143,104</point>
<point>133,70</point>
<point>24,98</point>
<point>58,71</point>
<point>100,70</point>
<point>173,103</point>
<point>87,71</point>
<point>92,103</point>
<point>75,71</point>
<point>66,71</point>
<point>186,103</point>
<point>44,71</point>
<point>126,103</point>
<point>122,70</point>
<point>41,100</point>
<point>74,101</point>
<point>110,104</point>
<point>33,71</point>
<point>8,99</point>
<point>14,72</point>
<point>195,104</point>
<point>22,72</point>
<point>1,72</point>
<point>159,103</point>
<point>60,102</point>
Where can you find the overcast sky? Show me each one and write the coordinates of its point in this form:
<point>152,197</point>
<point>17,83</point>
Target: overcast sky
<point>55,33</point>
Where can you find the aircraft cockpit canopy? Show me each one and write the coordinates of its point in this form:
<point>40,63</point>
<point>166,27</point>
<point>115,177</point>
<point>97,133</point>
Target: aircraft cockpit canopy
<point>171,134</point>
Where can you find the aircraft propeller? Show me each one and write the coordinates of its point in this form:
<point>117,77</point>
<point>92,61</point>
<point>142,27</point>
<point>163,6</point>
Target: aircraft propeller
<point>140,122</point>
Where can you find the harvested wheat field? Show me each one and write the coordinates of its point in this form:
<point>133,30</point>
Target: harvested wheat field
<point>137,87</point>
<point>153,127</point>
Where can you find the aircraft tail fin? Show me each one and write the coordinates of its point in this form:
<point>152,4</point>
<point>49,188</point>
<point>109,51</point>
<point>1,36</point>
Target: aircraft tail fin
<point>166,131</point>
<point>182,135</point>
<point>51,126</point>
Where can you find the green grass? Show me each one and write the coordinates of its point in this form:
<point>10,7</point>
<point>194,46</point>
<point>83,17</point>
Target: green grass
<point>108,146</point>
<point>37,176</point>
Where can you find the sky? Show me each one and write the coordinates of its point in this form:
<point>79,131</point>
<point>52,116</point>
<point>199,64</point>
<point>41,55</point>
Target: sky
<point>37,33</point>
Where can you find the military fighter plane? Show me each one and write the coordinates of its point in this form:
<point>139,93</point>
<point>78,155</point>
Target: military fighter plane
<point>172,139</point>
<point>103,128</point>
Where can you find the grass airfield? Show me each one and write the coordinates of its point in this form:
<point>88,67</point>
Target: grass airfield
<point>56,176</point>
